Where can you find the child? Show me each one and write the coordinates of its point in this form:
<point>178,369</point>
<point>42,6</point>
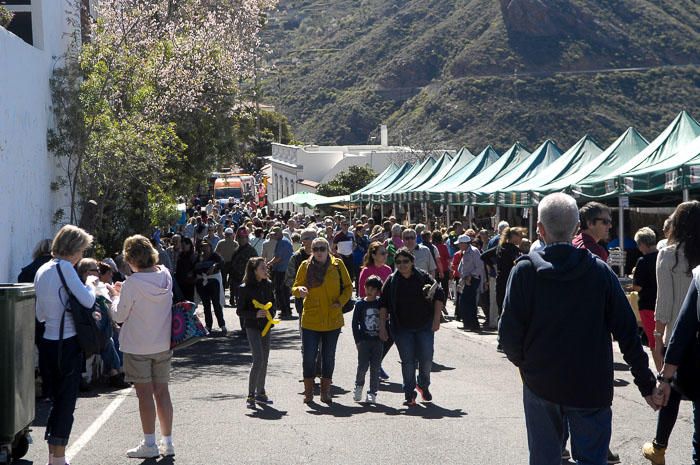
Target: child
<point>365,329</point>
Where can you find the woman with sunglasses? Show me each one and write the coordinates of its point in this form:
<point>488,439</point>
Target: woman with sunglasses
<point>374,264</point>
<point>324,284</point>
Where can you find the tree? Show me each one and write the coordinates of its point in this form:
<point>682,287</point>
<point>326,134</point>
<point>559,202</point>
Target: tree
<point>155,76</point>
<point>347,181</point>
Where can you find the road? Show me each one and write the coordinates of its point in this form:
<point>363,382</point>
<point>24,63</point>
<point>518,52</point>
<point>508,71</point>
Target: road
<point>476,416</point>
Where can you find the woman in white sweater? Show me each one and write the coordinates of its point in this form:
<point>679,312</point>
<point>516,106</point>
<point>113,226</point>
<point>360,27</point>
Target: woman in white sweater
<point>61,376</point>
<point>674,266</point>
<point>143,305</point>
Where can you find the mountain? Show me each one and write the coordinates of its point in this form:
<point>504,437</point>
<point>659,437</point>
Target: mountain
<point>479,72</point>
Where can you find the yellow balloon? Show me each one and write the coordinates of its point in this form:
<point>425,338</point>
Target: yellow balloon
<point>270,320</point>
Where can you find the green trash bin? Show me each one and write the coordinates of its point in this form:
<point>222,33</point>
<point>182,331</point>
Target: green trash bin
<point>17,403</point>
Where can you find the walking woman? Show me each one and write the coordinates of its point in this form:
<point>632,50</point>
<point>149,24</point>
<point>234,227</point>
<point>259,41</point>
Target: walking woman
<point>256,286</point>
<point>674,265</point>
<point>60,355</point>
<point>184,271</point>
<point>504,256</point>
<point>375,265</point>
<point>209,285</point>
<point>142,304</point>
<point>324,284</point>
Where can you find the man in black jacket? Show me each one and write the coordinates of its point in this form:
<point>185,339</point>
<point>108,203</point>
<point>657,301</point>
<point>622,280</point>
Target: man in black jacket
<point>562,304</point>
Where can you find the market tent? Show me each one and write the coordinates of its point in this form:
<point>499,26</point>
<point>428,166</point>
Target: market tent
<point>507,162</point>
<point>303,199</point>
<point>580,154</point>
<point>682,130</point>
<point>629,144</point>
<point>485,159</point>
<point>463,158</point>
<point>401,194</point>
<point>541,158</point>
<point>366,194</point>
<point>385,195</point>
<point>380,178</point>
<point>673,174</point>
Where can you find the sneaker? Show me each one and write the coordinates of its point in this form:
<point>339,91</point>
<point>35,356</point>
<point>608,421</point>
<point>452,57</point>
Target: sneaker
<point>371,398</point>
<point>262,399</point>
<point>613,458</point>
<point>411,399</point>
<point>250,401</point>
<point>166,450</point>
<point>224,331</point>
<point>383,374</point>
<point>143,451</point>
<point>565,454</point>
<point>357,393</point>
<point>425,394</point>
<point>654,454</point>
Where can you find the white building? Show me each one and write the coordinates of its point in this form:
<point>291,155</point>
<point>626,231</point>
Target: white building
<point>302,168</point>
<point>27,167</point>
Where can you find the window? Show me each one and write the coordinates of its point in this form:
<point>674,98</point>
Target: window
<point>21,24</point>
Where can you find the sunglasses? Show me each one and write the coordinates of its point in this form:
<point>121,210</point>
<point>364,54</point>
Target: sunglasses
<point>319,249</point>
<point>402,262</point>
<point>409,238</point>
<point>605,221</point>
<point>93,270</point>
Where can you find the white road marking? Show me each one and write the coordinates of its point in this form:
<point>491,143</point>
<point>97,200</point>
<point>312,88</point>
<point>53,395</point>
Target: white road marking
<point>97,424</point>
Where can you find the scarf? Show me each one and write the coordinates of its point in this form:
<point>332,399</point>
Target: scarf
<point>316,272</point>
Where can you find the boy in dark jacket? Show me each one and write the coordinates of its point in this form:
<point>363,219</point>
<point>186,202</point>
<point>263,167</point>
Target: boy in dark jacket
<point>365,329</point>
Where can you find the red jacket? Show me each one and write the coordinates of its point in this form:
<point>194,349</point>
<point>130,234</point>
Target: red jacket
<point>584,241</point>
<point>455,264</point>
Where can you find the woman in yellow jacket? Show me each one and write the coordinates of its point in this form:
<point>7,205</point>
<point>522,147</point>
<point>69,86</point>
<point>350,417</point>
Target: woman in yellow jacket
<point>324,284</point>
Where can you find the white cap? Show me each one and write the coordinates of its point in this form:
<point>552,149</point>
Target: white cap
<point>464,239</point>
<point>228,231</point>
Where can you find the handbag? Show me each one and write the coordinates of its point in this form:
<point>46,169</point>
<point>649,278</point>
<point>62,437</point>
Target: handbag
<point>91,340</point>
<point>186,326</point>
<point>350,304</point>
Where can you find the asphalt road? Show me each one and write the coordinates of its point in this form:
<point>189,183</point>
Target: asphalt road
<point>476,416</point>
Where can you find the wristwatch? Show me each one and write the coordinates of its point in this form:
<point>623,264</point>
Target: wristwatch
<point>660,378</point>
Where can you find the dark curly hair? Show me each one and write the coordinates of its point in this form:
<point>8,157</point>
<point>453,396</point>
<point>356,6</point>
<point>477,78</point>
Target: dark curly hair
<point>685,233</point>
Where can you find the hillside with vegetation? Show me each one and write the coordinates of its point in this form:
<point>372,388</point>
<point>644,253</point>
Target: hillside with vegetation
<point>474,72</point>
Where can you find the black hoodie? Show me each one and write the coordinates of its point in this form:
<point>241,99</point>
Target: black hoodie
<point>561,307</point>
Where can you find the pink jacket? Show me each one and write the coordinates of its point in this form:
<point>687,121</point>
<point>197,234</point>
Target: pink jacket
<point>144,308</point>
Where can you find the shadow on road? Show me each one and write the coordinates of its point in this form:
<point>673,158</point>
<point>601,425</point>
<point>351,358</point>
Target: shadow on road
<point>437,367</point>
<point>428,411</point>
<point>266,412</point>
<point>159,461</point>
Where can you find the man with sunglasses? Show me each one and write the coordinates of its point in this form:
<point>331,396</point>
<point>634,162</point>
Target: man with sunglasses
<point>424,260</point>
<point>596,222</point>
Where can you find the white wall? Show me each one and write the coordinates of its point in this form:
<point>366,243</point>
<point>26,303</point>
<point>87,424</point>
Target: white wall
<point>26,166</point>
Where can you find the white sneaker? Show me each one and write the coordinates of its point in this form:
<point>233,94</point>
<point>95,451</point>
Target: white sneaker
<point>371,398</point>
<point>166,450</point>
<point>357,393</point>
<point>143,452</point>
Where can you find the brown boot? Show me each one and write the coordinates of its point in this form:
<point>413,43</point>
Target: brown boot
<point>308,390</point>
<point>326,391</point>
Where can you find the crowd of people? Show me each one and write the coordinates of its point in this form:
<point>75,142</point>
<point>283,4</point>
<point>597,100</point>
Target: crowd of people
<point>551,295</point>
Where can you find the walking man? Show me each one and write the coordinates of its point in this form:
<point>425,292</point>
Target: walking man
<point>558,301</point>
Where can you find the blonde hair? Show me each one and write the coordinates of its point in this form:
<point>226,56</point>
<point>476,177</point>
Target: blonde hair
<point>84,265</point>
<point>139,252</point>
<point>70,240</point>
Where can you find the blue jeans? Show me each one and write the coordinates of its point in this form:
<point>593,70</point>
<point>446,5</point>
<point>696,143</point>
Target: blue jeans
<point>61,384</point>
<point>310,341</point>
<point>590,431</point>
<point>415,344</point>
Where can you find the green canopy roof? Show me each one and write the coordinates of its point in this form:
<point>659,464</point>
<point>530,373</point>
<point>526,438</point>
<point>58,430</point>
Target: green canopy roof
<point>536,163</point>
<point>463,157</point>
<point>380,178</point>
<point>673,174</point>
<point>385,195</point>
<point>629,144</point>
<point>485,159</point>
<point>365,193</point>
<point>580,154</point>
<point>681,131</point>
<point>509,160</point>
<point>423,178</point>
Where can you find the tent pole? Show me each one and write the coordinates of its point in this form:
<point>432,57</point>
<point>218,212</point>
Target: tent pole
<point>447,210</point>
<point>686,195</point>
<point>621,233</point>
<point>497,217</point>
<point>408,212</point>
<point>470,217</point>
<point>425,212</point>
<point>530,222</point>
